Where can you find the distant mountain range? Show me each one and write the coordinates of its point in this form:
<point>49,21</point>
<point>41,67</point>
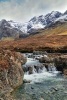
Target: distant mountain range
<point>20,30</point>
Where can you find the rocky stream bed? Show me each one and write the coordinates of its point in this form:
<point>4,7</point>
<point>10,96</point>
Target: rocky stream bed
<point>41,83</point>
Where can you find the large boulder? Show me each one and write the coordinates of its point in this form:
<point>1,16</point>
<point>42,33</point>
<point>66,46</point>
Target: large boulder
<point>29,69</point>
<point>46,59</point>
<point>11,72</point>
<point>61,63</point>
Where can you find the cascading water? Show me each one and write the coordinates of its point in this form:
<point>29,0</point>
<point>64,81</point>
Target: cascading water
<point>36,71</point>
<point>44,84</point>
<point>51,67</point>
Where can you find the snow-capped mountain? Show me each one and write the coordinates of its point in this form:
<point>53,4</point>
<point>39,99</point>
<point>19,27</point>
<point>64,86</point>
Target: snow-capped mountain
<point>18,25</point>
<point>39,22</point>
<point>43,20</point>
<point>8,28</point>
<point>46,20</point>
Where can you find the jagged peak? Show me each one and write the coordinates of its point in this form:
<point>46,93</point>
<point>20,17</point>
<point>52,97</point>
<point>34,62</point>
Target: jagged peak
<point>3,21</point>
<point>65,13</point>
<point>33,19</point>
<point>36,22</point>
<point>55,14</point>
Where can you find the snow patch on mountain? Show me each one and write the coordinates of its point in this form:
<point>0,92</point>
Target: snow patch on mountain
<point>18,25</point>
<point>36,23</point>
<point>42,21</point>
<point>62,18</point>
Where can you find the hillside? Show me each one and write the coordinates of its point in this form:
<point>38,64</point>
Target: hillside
<point>50,39</point>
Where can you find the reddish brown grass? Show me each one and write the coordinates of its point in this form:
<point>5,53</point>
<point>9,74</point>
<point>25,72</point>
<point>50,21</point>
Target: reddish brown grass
<point>52,38</point>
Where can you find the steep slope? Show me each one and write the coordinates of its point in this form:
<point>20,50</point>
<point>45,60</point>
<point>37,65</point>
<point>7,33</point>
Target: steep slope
<point>18,25</point>
<point>43,20</point>
<point>6,30</point>
<point>36,23</point>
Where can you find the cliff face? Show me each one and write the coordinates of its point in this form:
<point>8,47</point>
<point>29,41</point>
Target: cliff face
<point>11,72</point>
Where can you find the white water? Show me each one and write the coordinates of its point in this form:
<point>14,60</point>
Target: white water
<point>39,77</point>
<point>31,61</point>
<point>42,74</point>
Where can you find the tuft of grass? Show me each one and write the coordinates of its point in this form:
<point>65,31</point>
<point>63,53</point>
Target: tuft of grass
<point>7,39</point>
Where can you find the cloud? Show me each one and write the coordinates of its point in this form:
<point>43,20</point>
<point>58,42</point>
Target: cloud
<point>23,10</point>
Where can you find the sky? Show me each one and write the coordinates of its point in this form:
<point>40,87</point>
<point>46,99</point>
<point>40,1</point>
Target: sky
<point>24,10</point>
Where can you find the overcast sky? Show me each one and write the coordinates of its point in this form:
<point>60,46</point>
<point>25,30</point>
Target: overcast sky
<point>23,10</point>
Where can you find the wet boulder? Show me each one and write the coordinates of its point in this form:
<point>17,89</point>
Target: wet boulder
<point>26,81</point>
<point>39,68</point>
<point>25,68</point>
<point>46,66</point>
<point>30,70</point>
<point>45,59</point>
<point>61,63</point>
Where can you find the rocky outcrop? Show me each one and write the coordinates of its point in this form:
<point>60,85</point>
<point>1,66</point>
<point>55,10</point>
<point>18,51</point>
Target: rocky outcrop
<point>11,72</point>
<point>57,60</point>
<point>61,64</point>
<point>46,59</point>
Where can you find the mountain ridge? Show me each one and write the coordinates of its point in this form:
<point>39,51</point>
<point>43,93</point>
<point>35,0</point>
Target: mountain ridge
<point>20,30</point>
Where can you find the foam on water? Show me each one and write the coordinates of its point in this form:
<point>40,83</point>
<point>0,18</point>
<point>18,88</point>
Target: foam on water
<point>31,61</point>
<point>42,74</point>
<point>39,77</point>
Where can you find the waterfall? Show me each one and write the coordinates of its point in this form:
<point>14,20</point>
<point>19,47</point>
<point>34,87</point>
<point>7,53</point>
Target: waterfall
<point>51,67</point>
<point>33,66</point>
<point>40,69</point>
<point>36,71</point>
<point>44,69</point>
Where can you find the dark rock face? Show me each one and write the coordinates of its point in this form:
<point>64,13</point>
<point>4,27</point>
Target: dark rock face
<point>28,69</point>
<point>11,72</point>
<point>61,63</point>
<point>6,30</point>
<point>65,12</point>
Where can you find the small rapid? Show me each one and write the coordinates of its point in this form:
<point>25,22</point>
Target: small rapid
<point>36,71</point>
<point>44,84</point>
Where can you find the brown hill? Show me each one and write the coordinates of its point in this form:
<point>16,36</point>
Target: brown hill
<point>51,39</point>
